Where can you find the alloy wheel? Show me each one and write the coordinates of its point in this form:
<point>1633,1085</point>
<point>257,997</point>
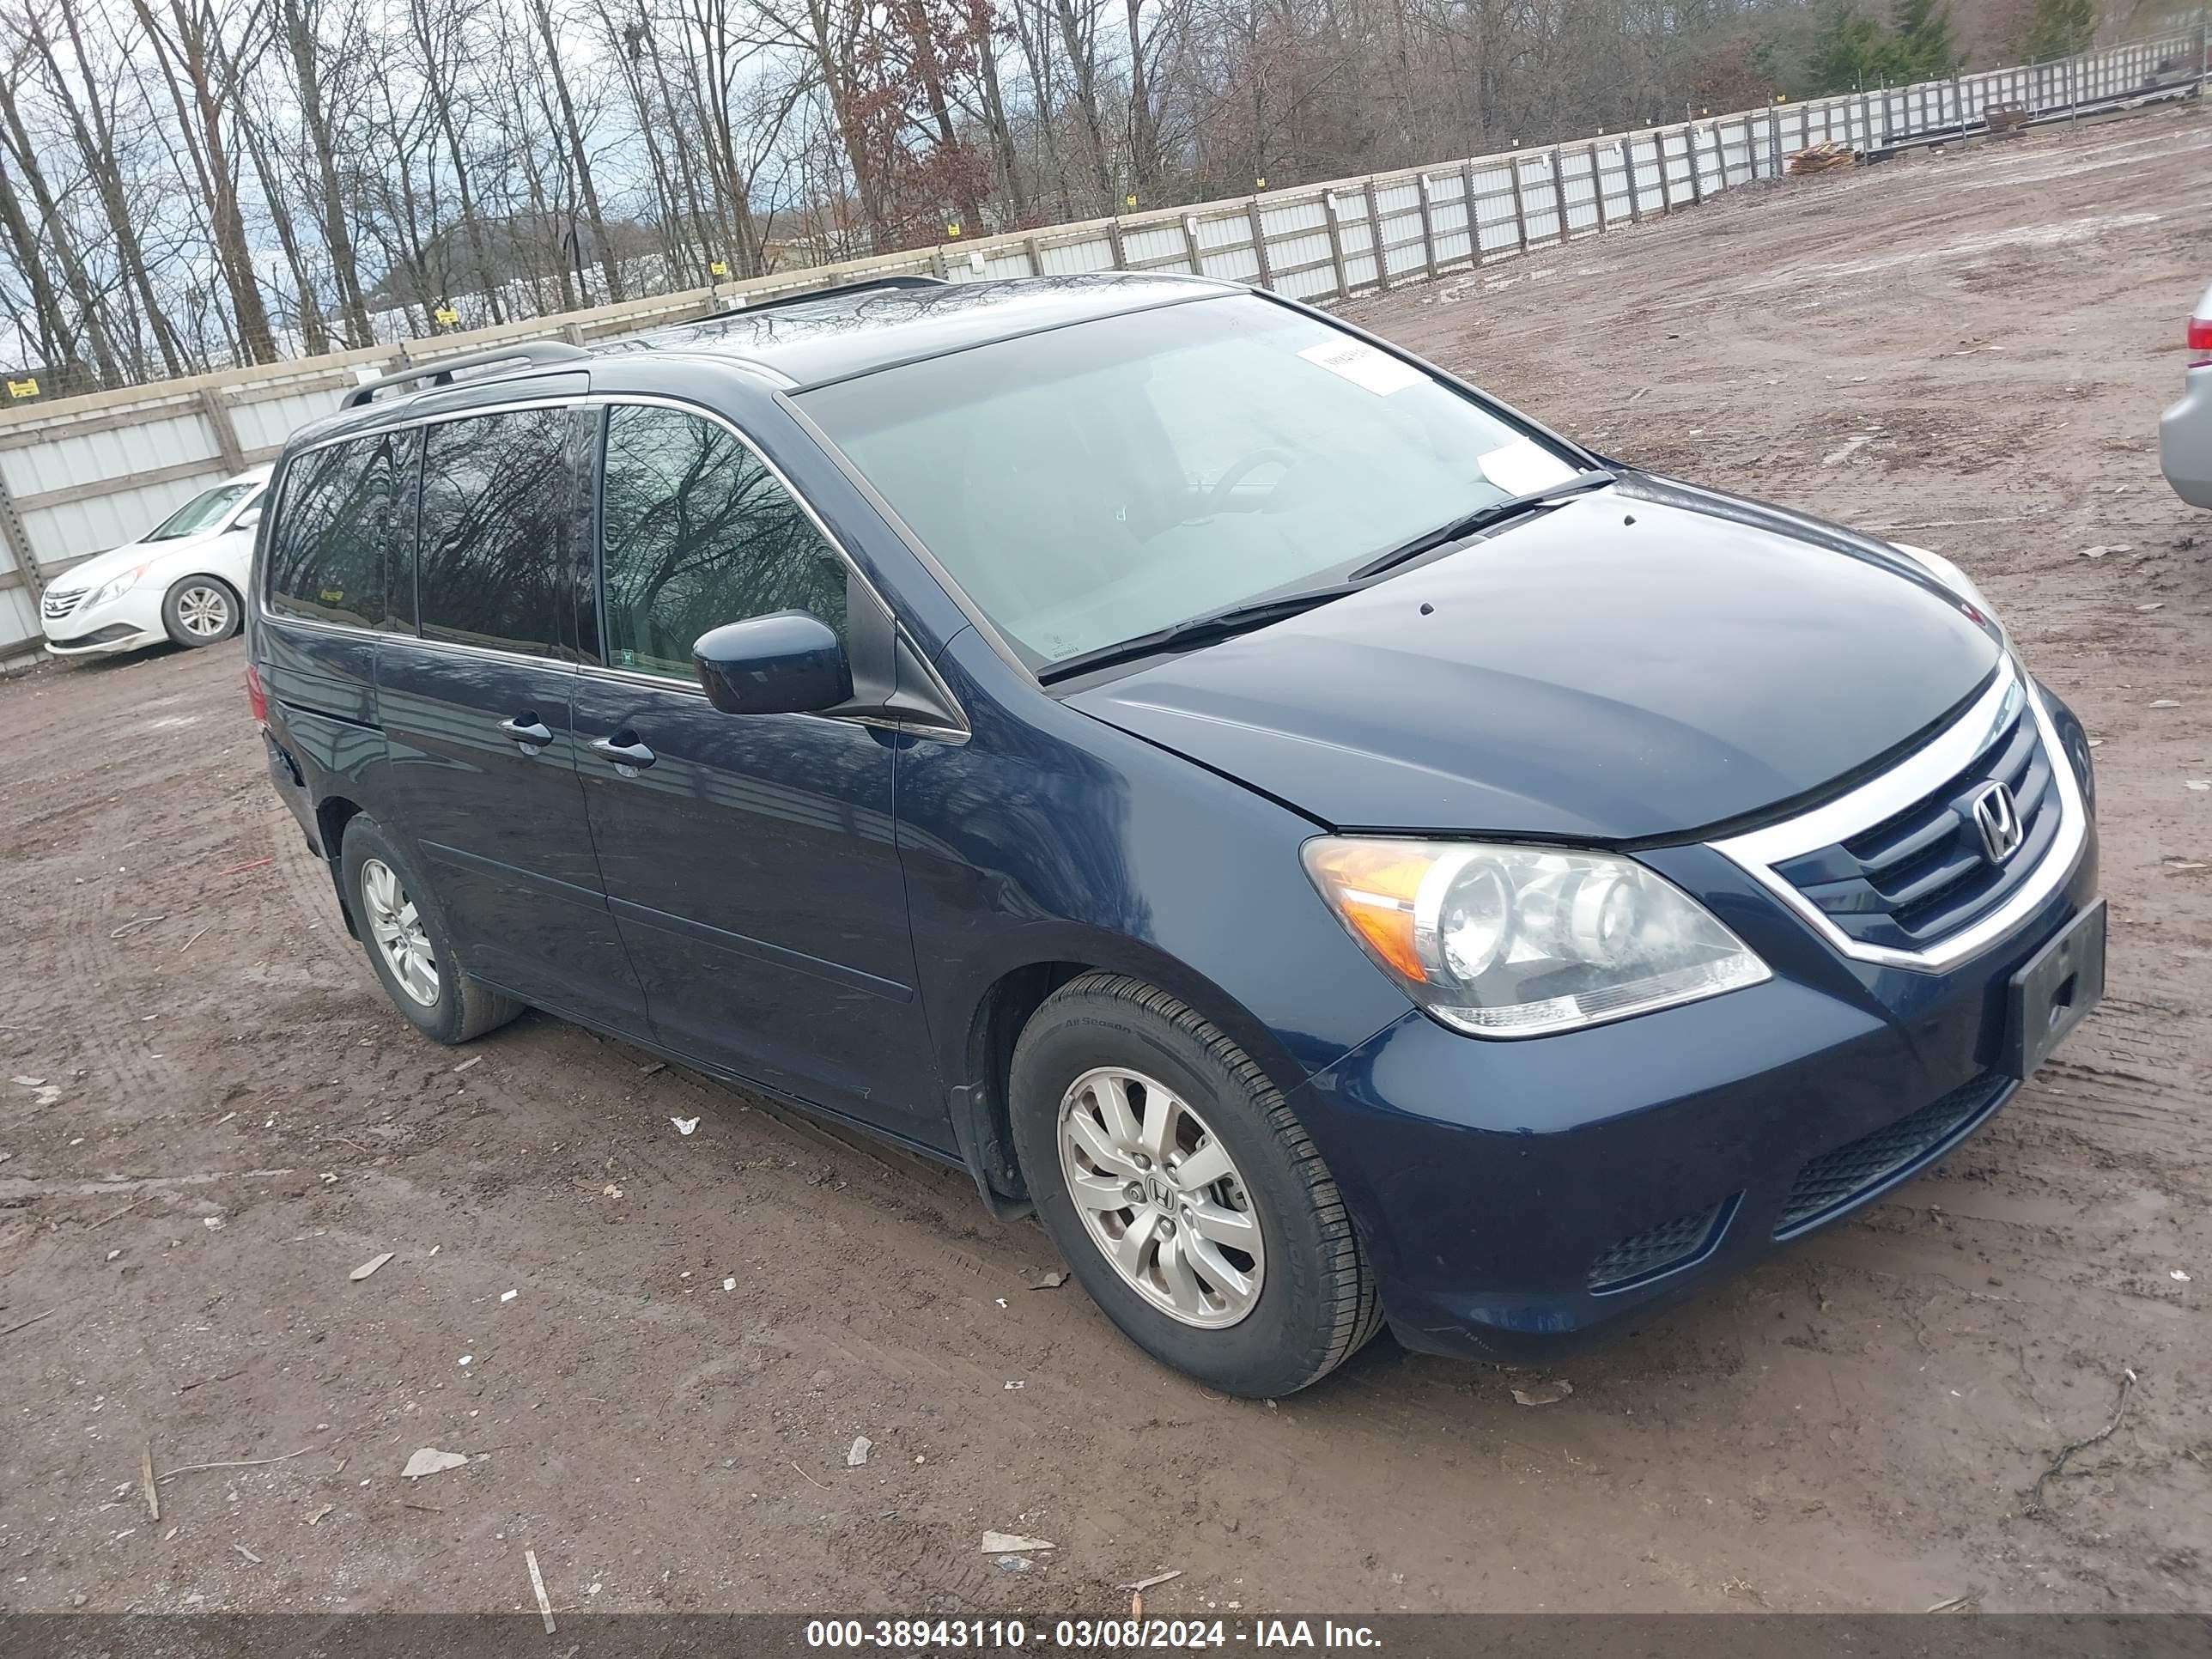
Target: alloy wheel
<point>204,611</point>
<point>1161,1197</point>
<point>396,926</point>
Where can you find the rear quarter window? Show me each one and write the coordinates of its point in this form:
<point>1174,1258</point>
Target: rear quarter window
<point>337,518</point>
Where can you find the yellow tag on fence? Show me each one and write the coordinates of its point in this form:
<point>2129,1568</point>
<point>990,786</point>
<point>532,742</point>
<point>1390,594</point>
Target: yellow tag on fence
<point>718,269</point>
<point>447,315</point>
<point>951,227</point>
<point>24,388</point>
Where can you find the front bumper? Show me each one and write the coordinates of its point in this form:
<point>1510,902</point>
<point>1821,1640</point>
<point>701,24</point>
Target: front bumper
<point>130,621</point>
<point>2184,441</point>
<point>1514,1193</point>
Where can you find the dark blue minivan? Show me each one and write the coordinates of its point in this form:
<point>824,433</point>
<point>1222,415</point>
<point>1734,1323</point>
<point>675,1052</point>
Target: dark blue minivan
<point>1336,850</point>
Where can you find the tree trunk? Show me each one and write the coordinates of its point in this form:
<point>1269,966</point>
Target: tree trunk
<point>995,111</point>
<point>1086,97</point>
<point>96,146</point>
<point>1144,123</point>
<point>94,330</point>
<point>609,263</point>
<point>314,333</point>
<point>914,16</point>
<point>58,339</point>
<point>202,124</point>
<point>298,24</point>
<point>838,81</point>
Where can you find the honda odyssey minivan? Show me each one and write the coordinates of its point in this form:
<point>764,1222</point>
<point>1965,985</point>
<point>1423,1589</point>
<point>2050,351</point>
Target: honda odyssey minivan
<point>1335,850</point>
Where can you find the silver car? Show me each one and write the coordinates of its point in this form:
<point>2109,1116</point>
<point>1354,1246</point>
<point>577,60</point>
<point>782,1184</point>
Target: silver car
<point>2184,435</point>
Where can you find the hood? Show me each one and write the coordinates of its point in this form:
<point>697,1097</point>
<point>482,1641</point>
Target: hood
<point>1617,669</point>
<point>90,572</point>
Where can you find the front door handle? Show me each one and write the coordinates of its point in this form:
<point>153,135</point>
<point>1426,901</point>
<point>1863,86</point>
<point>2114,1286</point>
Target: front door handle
<point>629,756</point>
<point>528,729</point>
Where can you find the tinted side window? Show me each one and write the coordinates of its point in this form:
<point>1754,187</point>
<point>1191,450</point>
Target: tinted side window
<point>695,532</point>
<point>326,552</point>
<point>490,554</point>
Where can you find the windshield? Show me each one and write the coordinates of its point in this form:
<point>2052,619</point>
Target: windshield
<point>1097,483</point>
<point>201,512</point>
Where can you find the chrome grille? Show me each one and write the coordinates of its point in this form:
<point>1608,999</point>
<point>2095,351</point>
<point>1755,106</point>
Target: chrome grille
<point>1923,873</point>
<point>1894,870</point>
<point>54,606</point>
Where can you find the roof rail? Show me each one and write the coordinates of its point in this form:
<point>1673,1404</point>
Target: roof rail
<point>439,371</point>
<point>801,295</point>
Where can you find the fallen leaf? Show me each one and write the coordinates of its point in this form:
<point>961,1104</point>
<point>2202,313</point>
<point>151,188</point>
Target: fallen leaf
<point>371,1265</point>
<point>1544,1394</point>
<point>859,1453</point>
<point>431,1461</point>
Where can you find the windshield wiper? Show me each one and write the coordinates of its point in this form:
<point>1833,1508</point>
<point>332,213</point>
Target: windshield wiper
<point>1198,631</point>
<point>1481,518</point>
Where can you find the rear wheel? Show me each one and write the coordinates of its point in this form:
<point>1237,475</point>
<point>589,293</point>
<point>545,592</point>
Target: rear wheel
<point>1183,1192</point>
<point>199,611</point>
<point>407,943</point>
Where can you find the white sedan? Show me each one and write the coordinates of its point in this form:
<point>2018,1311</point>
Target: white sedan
<point>183,581</point>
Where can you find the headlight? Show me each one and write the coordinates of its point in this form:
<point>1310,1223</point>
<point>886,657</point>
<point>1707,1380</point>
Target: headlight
<point>1517,941</point>
<point>115,589</point>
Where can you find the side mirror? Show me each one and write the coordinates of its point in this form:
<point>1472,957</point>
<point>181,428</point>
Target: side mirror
<point>246,520</point>
<point>786,663</point>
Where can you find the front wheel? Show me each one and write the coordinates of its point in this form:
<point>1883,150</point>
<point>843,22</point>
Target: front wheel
<point>1183,1193</point>
<point>199,611</point>
<point>407,941</point>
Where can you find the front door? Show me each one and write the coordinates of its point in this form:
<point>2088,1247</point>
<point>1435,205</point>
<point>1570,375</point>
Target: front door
<point>749,860</point>
<point>475,696</point>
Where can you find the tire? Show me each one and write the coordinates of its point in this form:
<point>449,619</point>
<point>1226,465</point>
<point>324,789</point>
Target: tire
<point>436,995</point>
<point>1308,1298</point>
<point>199,611</point>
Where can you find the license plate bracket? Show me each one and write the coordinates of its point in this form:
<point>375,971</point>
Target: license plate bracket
<point>2053,992</point>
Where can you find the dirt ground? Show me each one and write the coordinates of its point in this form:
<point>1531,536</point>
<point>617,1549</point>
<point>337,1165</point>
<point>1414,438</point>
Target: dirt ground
<point>655,1349</point>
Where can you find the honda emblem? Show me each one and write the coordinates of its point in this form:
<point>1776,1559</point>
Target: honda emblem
<point>1997,817</point>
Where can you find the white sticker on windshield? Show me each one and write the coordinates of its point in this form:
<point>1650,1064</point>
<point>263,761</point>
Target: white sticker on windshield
<point>1360,363</point>
<point>1523,465</point>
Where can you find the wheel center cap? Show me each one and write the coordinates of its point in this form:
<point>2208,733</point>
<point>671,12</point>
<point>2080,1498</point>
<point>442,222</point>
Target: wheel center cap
<point>1158,1190</point>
